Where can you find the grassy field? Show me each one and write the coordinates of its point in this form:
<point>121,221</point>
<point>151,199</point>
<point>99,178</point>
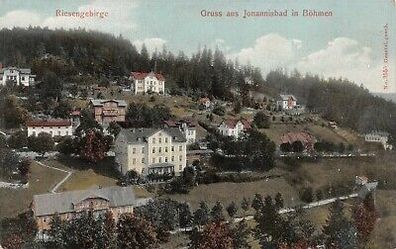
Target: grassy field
<point>226,192</point>
<point>41,180</point>
<point>86,176</point>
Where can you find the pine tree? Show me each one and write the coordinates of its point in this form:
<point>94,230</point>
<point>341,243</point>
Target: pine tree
<point>245,204</point>
<point>279,201</point>
<point>185,216</point>
<point>201,215</point>
<point>365,215</point>
<point>257,202</point>
<point>232,209</point>
<point>217,212</point>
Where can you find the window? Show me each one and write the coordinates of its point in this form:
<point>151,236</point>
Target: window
<point>166,140</point>
<point>166,149</point>
<point>180,148</point>
<point>180,158</point>
<point>160,159</point>
<point>173,158</point>
<point>173,148</point>
<point>180,167</point>
<point>153,160</point>
<point>34,133</point>
<point>166,159</point>
<point>134,161</point>
<point>153,140</point>
<point>67,133</point>
<point>153,149</point>
<point>159,140</point>
<point>159,149</point>
<point>59,133</point>
<point>142,150</point>
<point>133,150</point>
<point>142,159</point>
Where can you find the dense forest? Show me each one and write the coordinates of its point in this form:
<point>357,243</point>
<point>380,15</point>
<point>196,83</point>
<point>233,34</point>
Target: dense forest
<point>73,55</point>
<point>338,100</point>
<point>79,52</point>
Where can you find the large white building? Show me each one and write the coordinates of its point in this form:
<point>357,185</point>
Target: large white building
<point>287,102</point>
<point>150,151</point>
<point>54,127</point>
<point>147,82</point>
<point>233,128</point>
<point>20,76</point>
<point>378,137</point>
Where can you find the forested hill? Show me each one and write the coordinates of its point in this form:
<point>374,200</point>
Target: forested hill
<point>75,52</point>
<point>339,100</point>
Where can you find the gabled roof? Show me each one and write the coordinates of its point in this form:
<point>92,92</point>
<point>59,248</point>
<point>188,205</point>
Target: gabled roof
<point>100,102</point>
<point>292,137</point>
<point>139,135</point>
<point>49,204</point>
<point>143,75</point>
<point>172,123</point>
<point>48,122</point>
<point>21,70</point>
<point>286,97</point>
<point>231,123</point>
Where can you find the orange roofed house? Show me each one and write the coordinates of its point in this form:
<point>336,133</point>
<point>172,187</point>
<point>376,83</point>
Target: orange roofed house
<point>306,139</point>
<point>147,82</point>
<point>117,200</point>
<point>54,127</point>
<point>108,110</point>
<point>234,128</point>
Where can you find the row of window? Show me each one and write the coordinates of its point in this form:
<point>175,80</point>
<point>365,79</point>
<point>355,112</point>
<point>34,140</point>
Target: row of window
<point>52,133</point>
<point>160,159</point>
<point>159,149</point>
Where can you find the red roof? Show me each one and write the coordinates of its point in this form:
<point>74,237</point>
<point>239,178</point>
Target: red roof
<point>142,75</point>
<point>49,122</point>
<point>75,113</point>
<point>231,123</point>
<point>292,137</point>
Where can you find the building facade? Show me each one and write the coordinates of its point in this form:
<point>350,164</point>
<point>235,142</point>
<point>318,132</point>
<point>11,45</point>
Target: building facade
<point>68,205</point>
<point>286,102</point>
<point>378,137</point>
<point>147,83</point>
<point>54,127</point>
<point>106,111</point>
<point>186,127</point>
<point>20,76</point>
<point>233,128</point>
<point>150,151</point>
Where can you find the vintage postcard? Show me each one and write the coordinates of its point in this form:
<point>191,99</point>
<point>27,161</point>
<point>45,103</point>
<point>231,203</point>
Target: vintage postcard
<point>212,124</point>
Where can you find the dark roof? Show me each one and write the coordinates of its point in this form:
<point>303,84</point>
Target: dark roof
<point>138,135</point>
<point>142,75</point>
<point>49,204</point>
<point>48,122</point>
<point>21,70</point>
<point>100,102</point>
<point>231,123</point>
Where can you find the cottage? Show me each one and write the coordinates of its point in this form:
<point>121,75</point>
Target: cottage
<point>147,82</point>
<point>204,103</point>
<point>378,137</point>
<point>234,128</point>
<point>187,127</point>
<point>20,76</point>
<point>108,110</point>
<point>307,140</point>
<point>151,151</point>
<point>117,200</point>
<point>54,127</point>
<point>286,102</point>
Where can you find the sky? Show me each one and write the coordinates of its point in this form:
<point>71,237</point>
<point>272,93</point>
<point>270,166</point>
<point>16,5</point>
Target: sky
<point>349,44</point>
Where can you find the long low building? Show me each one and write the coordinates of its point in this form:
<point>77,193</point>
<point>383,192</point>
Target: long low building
<point>117,200</point>
<point>54,127</point>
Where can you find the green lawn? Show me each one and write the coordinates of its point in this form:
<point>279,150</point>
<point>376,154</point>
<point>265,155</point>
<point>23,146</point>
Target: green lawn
<point>42,179</point>
<point>226,192</point>
<point>87,176</point>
